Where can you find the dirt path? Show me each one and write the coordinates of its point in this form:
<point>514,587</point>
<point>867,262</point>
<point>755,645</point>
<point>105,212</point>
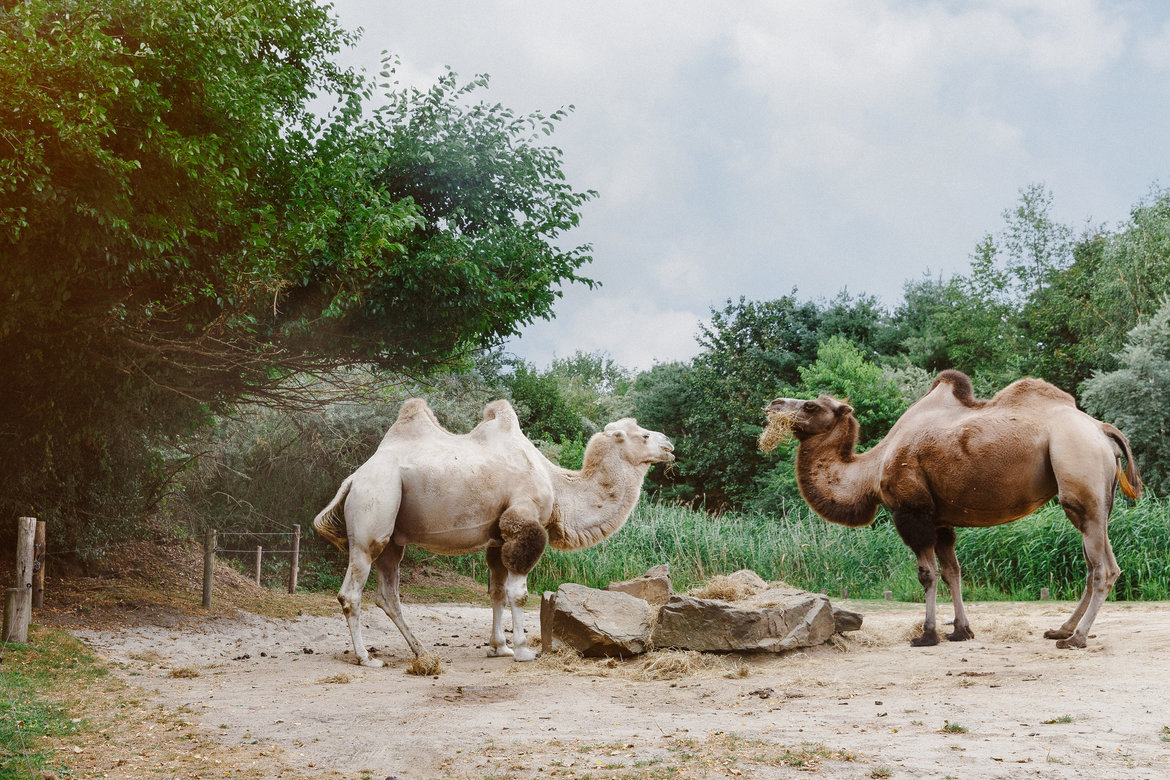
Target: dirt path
<point>871,707</point>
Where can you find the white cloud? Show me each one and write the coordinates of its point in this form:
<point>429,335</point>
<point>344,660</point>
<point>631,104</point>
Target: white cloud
<point>752,147</point>
<point>636,332</point>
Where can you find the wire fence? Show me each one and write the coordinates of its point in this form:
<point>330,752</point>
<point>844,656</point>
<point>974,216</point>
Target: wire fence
<point>212,548</point>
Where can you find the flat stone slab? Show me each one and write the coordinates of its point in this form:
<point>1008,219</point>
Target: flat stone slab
<point>774,620</point>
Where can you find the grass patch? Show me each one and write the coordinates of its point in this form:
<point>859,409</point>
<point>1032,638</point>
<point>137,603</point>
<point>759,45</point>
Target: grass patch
<point>1061,719</point>
<point>952,728</point>
<point>1010,562</point>
<point>52,661</point>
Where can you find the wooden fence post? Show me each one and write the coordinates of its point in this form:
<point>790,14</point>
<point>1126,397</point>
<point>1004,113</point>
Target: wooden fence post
<point>296,559</point>
<point>15,626</point>
<point>18,600</point>
<point>259,553</point>
<point>38,583</point>
<point>208,567</point>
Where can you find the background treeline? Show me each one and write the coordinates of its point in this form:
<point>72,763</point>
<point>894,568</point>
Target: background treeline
<point>217,298</point>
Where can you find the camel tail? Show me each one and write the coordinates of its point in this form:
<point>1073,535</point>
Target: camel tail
<point>1129,480</point>
<point>330,523</point>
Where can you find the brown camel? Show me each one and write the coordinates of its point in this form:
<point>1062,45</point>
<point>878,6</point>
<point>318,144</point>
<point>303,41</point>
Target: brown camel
<point>488,489</point>
<point>955,461</point>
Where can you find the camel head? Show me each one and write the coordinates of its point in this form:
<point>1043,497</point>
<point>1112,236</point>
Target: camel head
<point>635,444</point>
<point>805,419</point>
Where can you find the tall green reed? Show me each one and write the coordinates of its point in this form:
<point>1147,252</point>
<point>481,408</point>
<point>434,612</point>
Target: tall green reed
<point>1011,561</point>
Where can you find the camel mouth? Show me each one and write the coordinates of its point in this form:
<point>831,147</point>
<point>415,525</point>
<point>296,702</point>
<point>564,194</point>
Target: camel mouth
<point>666,456</point>
<point>779,428</point>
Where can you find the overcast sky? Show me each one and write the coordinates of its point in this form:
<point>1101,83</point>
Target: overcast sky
<point>749,148</point>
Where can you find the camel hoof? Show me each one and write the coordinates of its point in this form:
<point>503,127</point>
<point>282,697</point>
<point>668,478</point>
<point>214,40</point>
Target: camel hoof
<point>524,654</point>
<point>1058,633</point>
<point>926,640</point>
<point>1072,643</point>
<point>961,634</point>
<point>503,651</point>
<point>373,663</point>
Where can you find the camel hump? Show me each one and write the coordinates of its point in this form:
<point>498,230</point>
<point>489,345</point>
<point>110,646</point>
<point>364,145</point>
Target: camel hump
<point>502,414</point>
<point>414,418</point>
<point>961,388</point>
<point>1029,389</point>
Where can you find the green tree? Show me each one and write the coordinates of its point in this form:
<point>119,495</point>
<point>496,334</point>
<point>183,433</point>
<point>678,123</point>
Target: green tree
<point>863,321</point>
<point>180,232</point>
<point>1131,277</point>
<point>752,352</point>
<point>543,411</point>
<point>1136,396</point>
<point>842,371</point>
<point>982,322</point>
<point>596,386</point>
<point>661,401</point>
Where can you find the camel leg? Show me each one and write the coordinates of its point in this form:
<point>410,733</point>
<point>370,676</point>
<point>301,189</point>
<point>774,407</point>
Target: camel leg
<point>1103,572</point>
<point>1069,626</point>
<point>508,591</point>
<point>524,542</point>
<point>350,597</point>
<point>387,594</point>
<point>952,575</point>
<point>497,574</point>
<point>918,532</point>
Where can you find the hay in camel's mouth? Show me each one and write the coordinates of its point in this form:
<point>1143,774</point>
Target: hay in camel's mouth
<point>778,429</point>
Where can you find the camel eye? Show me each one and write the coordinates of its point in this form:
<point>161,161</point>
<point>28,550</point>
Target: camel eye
<point>809,406</point>
<point>646,436</point>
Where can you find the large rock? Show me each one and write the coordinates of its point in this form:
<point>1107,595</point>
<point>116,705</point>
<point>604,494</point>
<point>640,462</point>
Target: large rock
<point>653,586</point>
<point>773,620</point>
<point>597,622</point>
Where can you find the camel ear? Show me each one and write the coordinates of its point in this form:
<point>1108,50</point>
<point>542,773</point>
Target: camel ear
<point>619,435</point>
<point>844,409</point>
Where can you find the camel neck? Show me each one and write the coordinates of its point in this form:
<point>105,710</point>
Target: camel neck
<point>835,481</point>
<point>592,504</point>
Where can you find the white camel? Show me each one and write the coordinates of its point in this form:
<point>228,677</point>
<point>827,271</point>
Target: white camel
<point>488,489</point>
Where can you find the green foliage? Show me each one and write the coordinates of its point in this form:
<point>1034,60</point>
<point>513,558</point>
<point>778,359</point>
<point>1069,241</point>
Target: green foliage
<point>842,371</point>
<point>179,232</point>
<point>752,352</point>
<point>543,411</point>
<point>595,386</point>
<point>36,676</point>
<point>261,470</point>
<point>1011,561</point>
<point>1136,397</point>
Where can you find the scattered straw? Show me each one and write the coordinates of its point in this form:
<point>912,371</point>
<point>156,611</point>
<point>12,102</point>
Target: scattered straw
<point>184,672</point>
<point>723,588</point>
<point>147,656</point>
<point>340,678</point>
<point>425,665</point>
<point>667,665</point>
<point>778,429</point>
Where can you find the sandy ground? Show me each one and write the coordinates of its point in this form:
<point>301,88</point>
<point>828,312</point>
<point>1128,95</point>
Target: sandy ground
<point>868,706</point>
